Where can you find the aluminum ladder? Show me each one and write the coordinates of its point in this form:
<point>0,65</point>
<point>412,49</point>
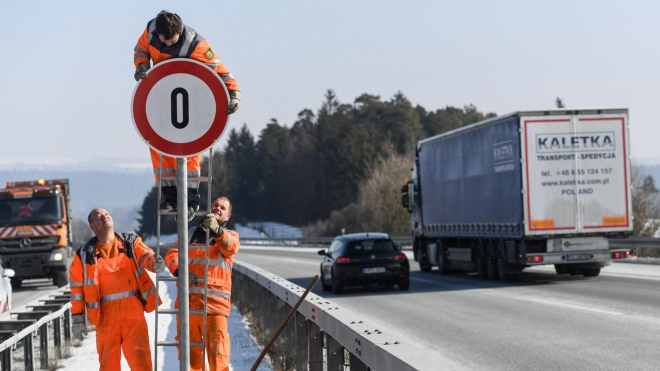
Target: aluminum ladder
<point>171,311</point>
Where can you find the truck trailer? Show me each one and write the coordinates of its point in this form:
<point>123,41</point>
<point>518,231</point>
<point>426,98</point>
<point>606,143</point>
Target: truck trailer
<point>35,230</point>
<point>520,190</point>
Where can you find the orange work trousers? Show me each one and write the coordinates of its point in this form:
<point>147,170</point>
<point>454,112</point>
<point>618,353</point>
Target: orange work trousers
<point>121,324</point>
<point>169,167</point>
<point>217,341</point>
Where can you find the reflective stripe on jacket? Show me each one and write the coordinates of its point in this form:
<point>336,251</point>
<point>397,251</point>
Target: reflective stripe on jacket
<point>190,45</point>
<point>85,292</point>
<point>221,260</point>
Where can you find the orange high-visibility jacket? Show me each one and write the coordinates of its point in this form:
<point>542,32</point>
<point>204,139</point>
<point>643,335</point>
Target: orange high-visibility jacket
<point>85,293</point>
<point>190,45</point>
<point>221,261</point>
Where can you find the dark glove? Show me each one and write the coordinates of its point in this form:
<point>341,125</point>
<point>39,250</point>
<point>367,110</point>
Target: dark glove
<point>159,264</point>
<point>210,223</point>
<point>192,278</point>
<point>78,326</point>
<point>235,101</point>
<point>141,71</point>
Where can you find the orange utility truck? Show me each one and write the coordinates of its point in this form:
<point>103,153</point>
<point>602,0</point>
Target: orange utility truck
<point>35,230</point>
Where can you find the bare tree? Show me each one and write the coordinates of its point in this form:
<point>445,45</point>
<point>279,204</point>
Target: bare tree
<point>645,202</point>
<point>559,102</point>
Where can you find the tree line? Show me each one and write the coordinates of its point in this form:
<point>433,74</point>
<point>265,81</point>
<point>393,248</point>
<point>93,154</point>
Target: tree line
<point>335,160</point>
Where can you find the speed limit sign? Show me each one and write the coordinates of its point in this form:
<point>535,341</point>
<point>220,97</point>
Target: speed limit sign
<point>180,108</point>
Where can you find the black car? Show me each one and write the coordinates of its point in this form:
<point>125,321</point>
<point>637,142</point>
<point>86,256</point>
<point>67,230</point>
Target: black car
<point>364,259</point>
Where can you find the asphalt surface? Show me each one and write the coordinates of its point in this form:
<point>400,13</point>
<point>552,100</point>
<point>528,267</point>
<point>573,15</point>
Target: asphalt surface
<point>540,322</point>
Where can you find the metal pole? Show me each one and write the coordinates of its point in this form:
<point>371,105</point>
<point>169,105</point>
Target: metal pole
<point>182,229</point>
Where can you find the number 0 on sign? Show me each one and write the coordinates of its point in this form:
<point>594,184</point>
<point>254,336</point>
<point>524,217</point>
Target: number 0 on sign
<point>180,108</point>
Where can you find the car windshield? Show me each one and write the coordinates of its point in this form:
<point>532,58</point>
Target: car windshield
<point>370,246</point>
<point>15,211</point>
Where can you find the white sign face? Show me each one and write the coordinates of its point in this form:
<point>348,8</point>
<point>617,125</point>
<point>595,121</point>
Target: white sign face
<point>180,108</point>
<point>182,99</point>
<point>576,173</point>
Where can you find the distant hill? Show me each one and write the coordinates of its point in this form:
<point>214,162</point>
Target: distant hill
<point>121,193</point>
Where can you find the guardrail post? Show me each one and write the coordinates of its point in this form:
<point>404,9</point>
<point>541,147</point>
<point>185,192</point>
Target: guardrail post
<point>67,325</point>
<point>315,346</point>
<point>6,359</point>
<point>300,346</point>
<point>356,364</point>
<point>334,354</point>
<point>28,353</point>
<point>43,345</point>
<point>57,337</point>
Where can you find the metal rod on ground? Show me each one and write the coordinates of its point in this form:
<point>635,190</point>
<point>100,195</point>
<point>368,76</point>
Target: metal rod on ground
<point>182,229</point>
<point>286,320</point>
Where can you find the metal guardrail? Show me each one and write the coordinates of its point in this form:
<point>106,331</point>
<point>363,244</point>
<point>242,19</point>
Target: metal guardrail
<point>321,333</point>
<point>21,330</point>
<point>308,241</point>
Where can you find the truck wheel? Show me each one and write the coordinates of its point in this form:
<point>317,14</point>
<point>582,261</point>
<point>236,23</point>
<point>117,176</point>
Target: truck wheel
<point>491,269</point>
<point>443,264</point>
<point>561,268</point>
<point>574,271</point>
<point>61,278</point>
<point>16,283</point>
<point>591,271</point>
<point>424,265</point>
<point>480,261</point>
<point>503,273</point>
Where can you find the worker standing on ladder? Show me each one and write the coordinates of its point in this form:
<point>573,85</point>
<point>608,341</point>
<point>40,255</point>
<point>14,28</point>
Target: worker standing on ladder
<point>109,281</point>
<point>222,248</point>
<point>164,38</point>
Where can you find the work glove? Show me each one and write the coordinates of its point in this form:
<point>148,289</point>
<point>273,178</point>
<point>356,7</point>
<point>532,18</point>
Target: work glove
<point>141,71</point>
<point>78,327</point>
<point>159,264</point>
<point>235,101</point>
<point>210,223</point>
<point>192,278</point>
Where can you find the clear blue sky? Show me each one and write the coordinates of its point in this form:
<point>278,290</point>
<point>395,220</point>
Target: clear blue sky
<point>67,73</point>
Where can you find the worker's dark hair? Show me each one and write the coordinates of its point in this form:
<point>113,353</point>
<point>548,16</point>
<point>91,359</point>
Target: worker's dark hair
<point>89,217</point>
<point>168,24</point>
<point>231,207</point>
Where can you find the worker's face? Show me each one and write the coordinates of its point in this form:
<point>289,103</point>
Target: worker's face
<point>221,210</point>
<point>101,221</point>
<point>169,42</point>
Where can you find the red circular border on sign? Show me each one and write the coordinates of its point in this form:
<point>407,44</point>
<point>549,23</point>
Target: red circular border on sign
<point>141,121</point>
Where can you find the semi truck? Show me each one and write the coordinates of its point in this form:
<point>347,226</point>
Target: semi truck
<point>521,190</point>
<point>35,230</point>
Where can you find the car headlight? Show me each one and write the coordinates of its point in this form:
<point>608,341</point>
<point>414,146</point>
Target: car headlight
<point>58,256</point>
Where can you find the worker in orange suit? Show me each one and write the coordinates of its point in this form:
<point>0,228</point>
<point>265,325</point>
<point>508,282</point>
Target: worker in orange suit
<point>223,246</point>
<point>110,283</point>
<point>167,37</point>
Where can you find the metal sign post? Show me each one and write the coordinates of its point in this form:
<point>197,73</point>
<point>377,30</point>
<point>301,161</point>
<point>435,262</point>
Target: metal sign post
<point>182,229</point>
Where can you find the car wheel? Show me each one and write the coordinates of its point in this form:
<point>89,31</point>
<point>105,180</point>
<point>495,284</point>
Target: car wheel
<point>323,285</point>
<point>404,285</point>
<point>591,271</point>
<point>336,286</point>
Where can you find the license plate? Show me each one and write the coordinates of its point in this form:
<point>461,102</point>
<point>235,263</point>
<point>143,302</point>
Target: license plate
<point>572,257</point>
<point>373,270</point>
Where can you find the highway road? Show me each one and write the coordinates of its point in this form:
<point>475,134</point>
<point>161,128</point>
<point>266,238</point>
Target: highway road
<point>541,322</point>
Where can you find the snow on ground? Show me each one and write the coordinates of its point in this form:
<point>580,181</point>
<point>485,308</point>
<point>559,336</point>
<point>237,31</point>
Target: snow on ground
<point>243,348</point>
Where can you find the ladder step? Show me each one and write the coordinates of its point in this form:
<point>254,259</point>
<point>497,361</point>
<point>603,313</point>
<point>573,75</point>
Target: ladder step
<point>176,344</point>
<point>176,279</point>
<point>197,213</point>
<point>176,246</point>
<point>176,311</point>
<point>190,178</point>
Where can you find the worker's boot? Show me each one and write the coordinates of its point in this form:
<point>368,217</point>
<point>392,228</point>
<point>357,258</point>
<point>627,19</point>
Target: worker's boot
<point>168,194</point>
